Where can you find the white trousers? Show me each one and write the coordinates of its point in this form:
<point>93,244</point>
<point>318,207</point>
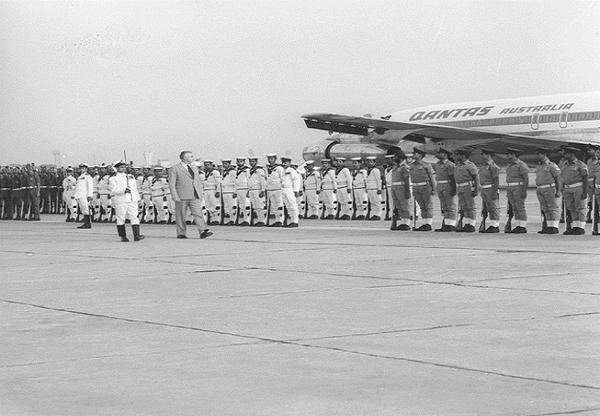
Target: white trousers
<point>289,201</point>
<point>312,202</point>
<point>276,204</point>
<point>258,206</point>
<point>127,211</point>
<point>375,201</point>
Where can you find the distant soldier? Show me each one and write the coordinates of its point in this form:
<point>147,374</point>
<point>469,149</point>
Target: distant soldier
<point>399,185</point>
<point>359,186</point>
<point>84,189</point>
<point>312,186</point>
<point>387,204</point>
<point>328,189</point>
<point>104,195</point>
<point>290,188</point>
<point>228,192</point>
<point>257,186</point>
<point>489,177</point>
<point>446,189</point>
<point>123,188</point>
<point>212,192</point>
<point>94,172</point>
<point>547,181</point>
<point>467,184</point>
<point>5,186</point>
<point>593,164</point>
<point>343,179</point>
<point>159,199</point>
<point>574,175</point>
<point>146,194</point>
<point>517,181</point>
<point>68,186</point>
<point>594,172</point>
<point>423,186</point>
<point>374,188</point>
<point>275,174</point>
<point>300,198</point>
<point>242,175</point>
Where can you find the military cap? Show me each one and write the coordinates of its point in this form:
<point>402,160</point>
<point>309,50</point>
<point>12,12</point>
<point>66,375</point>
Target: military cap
<point>271,155</point>
<point>513,151</point>
<point>310,162</point>
<point>69,169</point>
<point>196,163</point>
<point>542,150</point>
<point>84,165</point>
<point>240,158</point>
<point>371,158</point>
<point>295,163</point>
<point>463,152</point>
<point>417,150</point>
<point>252,158</point>
<point>389,156</point>
<point>158,168</point>
<point>225,160</point>
<point>325,160</point>
<point>208,161</point>
<point>356,159</point>
<point>570,149</point>
<point>591,147</point>
<point>286,158</point>
<point>443,150</point>
<point>340,158</point>
<point>119,163</point>
<point>488,152</point>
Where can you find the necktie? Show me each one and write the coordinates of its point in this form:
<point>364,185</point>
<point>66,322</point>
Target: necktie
<point>190,171</point>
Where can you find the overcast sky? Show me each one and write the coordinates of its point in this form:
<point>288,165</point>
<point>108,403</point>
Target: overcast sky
<point>223,78</point>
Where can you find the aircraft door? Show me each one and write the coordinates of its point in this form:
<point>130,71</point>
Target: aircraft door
<point>564,116</point>
<point>535,121</point>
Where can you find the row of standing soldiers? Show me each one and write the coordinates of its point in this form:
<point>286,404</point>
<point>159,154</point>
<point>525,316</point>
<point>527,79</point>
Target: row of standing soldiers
<point>462,181</point>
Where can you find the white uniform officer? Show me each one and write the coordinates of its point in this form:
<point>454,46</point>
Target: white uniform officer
<point>312,186</point>
<point>212,192</point>
<point>159,199</point>
<point>257,185</point>
<point>84,190</point>
<point>374,188</point>
<point>241,191</point>
<point>328,189</point>
<point>146,194</point>
<point>123,188</point>
<point>343,179</point>
<point>290,188</point>
<point>275,174</point>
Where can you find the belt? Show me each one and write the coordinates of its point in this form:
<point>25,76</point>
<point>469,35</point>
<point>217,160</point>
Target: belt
<point>271,190</point>
<point>242,189</point>
<point>373,189</point>
<point>4,189</point>
<point>486,186</point>
<point>420,183</point>
<point>443,181</point>
<point>359,187</point>
<point>255,189</point>
<point>463,184</point>
<point>210,189</point>
<point>591,179</point>
<point>398,183</point>
<point>550,185</point>
<point>514,183</point>
<point>310,189</point>
<point>574,185</point>
<point>342,187</point>
<point>598,185</point>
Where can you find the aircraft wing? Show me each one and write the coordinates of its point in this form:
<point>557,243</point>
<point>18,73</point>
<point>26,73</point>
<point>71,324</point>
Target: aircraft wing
<point>436,132</point>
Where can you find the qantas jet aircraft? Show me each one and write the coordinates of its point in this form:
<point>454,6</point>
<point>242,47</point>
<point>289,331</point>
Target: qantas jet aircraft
<point>524,123</point>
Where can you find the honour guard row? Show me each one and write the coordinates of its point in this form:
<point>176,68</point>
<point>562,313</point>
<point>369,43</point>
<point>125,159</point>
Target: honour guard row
<point>570,184</point>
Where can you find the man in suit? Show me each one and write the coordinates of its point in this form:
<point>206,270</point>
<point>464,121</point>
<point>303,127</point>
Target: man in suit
<point>186,187</point>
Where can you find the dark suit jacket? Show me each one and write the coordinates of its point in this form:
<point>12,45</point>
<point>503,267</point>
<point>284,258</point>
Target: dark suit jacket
<point>181,183</point>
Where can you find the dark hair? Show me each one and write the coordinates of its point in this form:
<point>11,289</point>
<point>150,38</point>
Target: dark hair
<point>183,153</point>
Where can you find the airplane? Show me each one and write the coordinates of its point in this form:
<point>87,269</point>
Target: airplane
<point>525,123</point>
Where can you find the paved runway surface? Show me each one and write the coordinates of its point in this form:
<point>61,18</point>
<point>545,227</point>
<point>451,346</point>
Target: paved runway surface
<point>328,319</point>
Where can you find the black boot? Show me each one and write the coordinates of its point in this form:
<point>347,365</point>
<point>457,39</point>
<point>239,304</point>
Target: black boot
<point>394,225</point>
<point>136,232</point>
<point>122,233</point>
<point>87,223</point>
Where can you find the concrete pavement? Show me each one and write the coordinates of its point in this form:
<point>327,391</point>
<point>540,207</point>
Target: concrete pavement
<point>328,319</point>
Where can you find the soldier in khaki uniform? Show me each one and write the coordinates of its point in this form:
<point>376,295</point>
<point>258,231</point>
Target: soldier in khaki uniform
<point>574,176</point>
<point>547,181</point>
<point>517,181</point>
<point>489,178</point>
<point>446,189</point>
<point>593,166</point>
<point>423,185</point>
<point>399,185</point>
<point>467,184</point>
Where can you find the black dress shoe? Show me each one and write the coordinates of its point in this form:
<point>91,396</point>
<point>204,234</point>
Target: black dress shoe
<point>403,227</point>
<point>275,224</point>
<point>519,230</point>
<point>181,236</point>
<point>491,230</point>
<point>259,224</point>
<point>468,228</point>
<point>424,227</point>
<point>375,218</point>
<point>205,234</point>
<point>551,230</point>
<point>313,217</point>
<point>292,225</point>
<point>578,231</point>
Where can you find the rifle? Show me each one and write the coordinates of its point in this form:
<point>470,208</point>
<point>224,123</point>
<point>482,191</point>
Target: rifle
<point>510,214</point>
<point>484,215</point>
<point>596,215</point>
<point>268,203</point>
<point>568,218</point>
<point>414,213</point>
<point>544,222</point>
<point>459,224</point>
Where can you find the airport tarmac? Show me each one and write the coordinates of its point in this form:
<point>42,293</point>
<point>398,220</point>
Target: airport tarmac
<point>332,318</point>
